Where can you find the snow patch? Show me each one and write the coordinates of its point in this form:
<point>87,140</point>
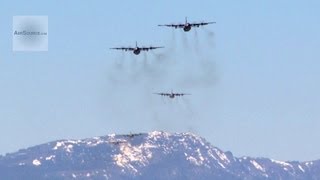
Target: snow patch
<point>73,141</point>
<point>58,144</point>
<point>282,163</point>
<point>200,156</point>
<point>36,162</point>
<point>95,142</point>
<point>257,165</point>
<point>50,157</point>
<point>133,154</point>
<point>221,165</point>
<point>158,134</point>
<point>194,161</point>
<point>211,154</point>
<point>222,156</point>
<point>309,164</point>
<point>69,148</point>
<point>63,145</point>
<point>301,168</point>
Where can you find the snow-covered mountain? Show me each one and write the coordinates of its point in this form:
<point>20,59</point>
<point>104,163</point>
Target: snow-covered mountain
<point>154,155</point>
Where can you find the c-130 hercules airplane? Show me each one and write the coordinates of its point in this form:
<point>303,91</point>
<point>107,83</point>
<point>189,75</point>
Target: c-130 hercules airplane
<point>187,26</point>
<point>136,50</point>
<point>171,95</point>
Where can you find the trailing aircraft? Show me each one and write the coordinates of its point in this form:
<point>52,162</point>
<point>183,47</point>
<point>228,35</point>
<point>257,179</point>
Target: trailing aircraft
<point>136,50</point>
<point>172,95</point>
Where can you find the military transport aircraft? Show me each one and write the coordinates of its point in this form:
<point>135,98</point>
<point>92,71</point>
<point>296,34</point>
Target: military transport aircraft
<point>171,95</point>
<point>136,50</point>
<point>187,26</point>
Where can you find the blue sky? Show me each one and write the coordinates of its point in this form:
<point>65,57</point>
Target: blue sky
<point>254,76</point>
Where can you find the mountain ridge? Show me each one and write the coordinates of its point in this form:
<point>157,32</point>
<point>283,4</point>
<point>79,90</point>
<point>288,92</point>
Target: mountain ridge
<point>153,155</point>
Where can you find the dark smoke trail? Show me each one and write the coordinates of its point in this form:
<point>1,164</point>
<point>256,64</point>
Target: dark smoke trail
<point>145,59</point>
<point>202,75</point>
<point>196,42</point>
<point>133,59</point>
<point>185,40</point>
<point>210,37</point>
<point>147,71</point>
<point>119,62</point>
<point>188,106</point>
<point>161,58</point>
<point>173,39</point>
<point>191,115</point>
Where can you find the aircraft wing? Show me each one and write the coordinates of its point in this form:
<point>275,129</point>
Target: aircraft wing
<point>181,94</point>
<point>150,48</point>
<point>201,24</point>
<point>173,25</point>
<point>162,94</point>
<point>124,48</point>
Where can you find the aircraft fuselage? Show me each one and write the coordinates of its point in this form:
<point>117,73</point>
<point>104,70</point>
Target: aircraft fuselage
<point>187,27</point>
<point>136,51</point>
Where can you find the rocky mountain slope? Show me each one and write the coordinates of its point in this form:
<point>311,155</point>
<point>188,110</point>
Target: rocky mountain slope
<point>154,155</point>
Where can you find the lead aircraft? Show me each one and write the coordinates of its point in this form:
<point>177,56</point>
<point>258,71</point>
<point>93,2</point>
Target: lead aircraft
<point>187,26</point>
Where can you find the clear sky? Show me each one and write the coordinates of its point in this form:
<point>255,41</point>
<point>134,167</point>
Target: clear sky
<point>254,76</point>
